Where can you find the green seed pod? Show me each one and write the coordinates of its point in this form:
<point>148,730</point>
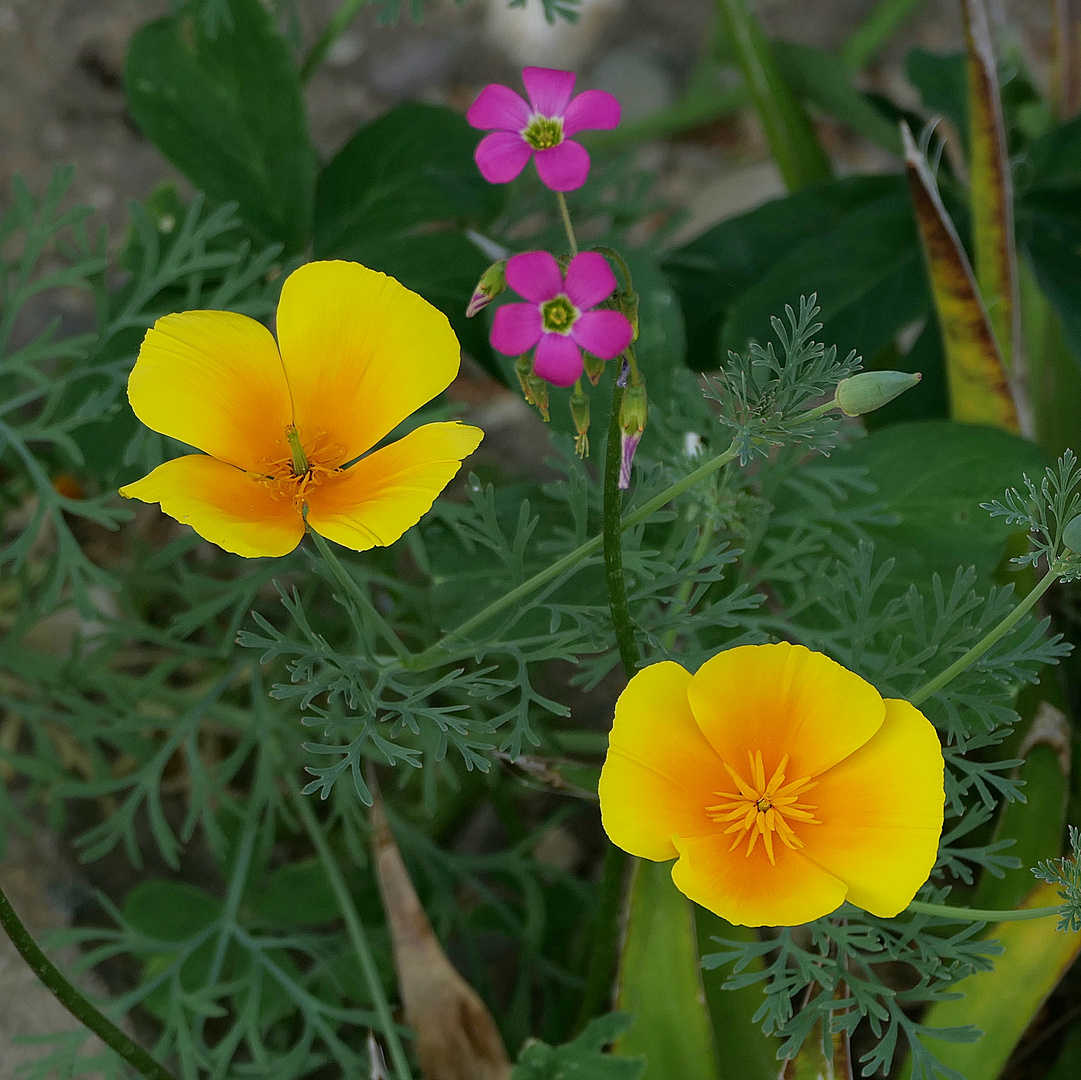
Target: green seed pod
<point>870,390</point>
<point>1071,535</point>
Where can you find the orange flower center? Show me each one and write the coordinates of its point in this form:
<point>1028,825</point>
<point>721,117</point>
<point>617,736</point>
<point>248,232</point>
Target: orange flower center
<point>760,809</point>
<point>294,475</point>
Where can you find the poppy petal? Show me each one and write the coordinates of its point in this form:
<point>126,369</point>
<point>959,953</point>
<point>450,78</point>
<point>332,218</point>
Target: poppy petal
<point>372,503</point>
<point>660,773</point>
<point>881,812</point>
<point>564,167</point>
<point>501,156</point>
<point>222,504</point>
<point>783,699</point>
<point>516,328</point>
<point>535,275</point>
<point>589,280</point>
<point>749,890</point>
<point>361,353</point>
<point>603,333</point>
<point>498,108</point>
<point>214,380</point>
<point>549,89</point>
<point>558,360</point>
<point>592,110</point>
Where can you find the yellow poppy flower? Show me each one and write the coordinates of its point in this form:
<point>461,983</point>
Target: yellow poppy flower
<point>785,784</point>
<point>284,425</point>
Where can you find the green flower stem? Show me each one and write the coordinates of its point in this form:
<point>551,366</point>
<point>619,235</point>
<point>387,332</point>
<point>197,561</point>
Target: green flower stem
<point>337,26</point>
<point>613,546</point>
<point>566,215</point>
<point>437,652</point>
<point>611,253</point>
<point>602,934</point>
<point>73,1001</point>
<point>359,594</point>
<point>977,650</point>
<point>356,934</point>
<point>964,914</point>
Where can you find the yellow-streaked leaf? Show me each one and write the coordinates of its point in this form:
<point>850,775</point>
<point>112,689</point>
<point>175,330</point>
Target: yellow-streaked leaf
<point>979,386</point>
<point>660,981</point>
<point>1003,1002</point>
<point>1066,58</point>
<point>991,187</point>
<point>456,1037</point>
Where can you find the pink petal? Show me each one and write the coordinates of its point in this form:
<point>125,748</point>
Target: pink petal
<point>501,156</point>
<point>594,110</point>
<point>589,280</point>
<point>563,167</point>
<point>516,328</point>
<point>498,108</point>
<point>549,89</point>
<point>534,275</point>
<point>603,333</point>
<point>558,360</point>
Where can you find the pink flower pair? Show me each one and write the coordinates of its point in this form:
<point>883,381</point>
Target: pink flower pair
<point>558,319</point>
<point>541,128</point>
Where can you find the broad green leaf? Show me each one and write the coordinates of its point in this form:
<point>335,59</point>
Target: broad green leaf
<point>227,111</point>
<point>942,82</point>
<point>299,894</point>
<point>1037,824</point>
<point>1054,358</point>
<point>1054,160</point>
<point>991,186</point>
<point>815,77</point>
<point>871,286</point>
<point>931,478</point>
<point>1002,1003</point>
<point>170,910</point>
<point>743,1051</point>
<point>711,272</point>
<point>789,131</point>
<point>582,1059</point>
<point>1053,247</point>
<point>660,981</point>
<point>979,387</point>
<point>397,197</point>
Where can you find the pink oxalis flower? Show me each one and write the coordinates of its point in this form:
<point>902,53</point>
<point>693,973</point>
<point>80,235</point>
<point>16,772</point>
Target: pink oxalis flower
<point>542,127</point>
<point>558,319</point>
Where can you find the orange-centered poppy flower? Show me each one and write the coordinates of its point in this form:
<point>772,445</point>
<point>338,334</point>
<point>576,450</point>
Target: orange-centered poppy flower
<point>286,427</point>
<point>785,784</point>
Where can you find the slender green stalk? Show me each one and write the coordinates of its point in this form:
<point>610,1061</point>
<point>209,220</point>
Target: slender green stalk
<point>603,934</point>
<point>435,653</point>
<point>566,215</point>
<point>964,914</point>
<point>73,1001</point>
<point>876,31</point>
<point>357,935</point>
<point>613,544</point>
<point>977,650</point>
<point>337,26</point>
<point>359,594</point>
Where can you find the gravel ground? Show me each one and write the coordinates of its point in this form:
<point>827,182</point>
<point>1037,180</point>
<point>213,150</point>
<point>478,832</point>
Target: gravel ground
<point>61,100</point>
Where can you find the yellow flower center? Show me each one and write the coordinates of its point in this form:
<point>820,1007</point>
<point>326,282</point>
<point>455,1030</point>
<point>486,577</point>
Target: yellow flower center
<point>294,475</point>
<point>761,808</point>
<point>544,132</point>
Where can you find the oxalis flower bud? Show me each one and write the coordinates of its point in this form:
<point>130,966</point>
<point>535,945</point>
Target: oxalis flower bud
<point>534,389</point>
<point>580,413</point>
<point>594,367</point>
<point>492,282</point>
<point>632,422</point>
<point>870,390</point>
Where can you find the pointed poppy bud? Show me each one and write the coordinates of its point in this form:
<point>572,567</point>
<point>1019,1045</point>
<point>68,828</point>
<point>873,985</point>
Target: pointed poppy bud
<point>870,390</point>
